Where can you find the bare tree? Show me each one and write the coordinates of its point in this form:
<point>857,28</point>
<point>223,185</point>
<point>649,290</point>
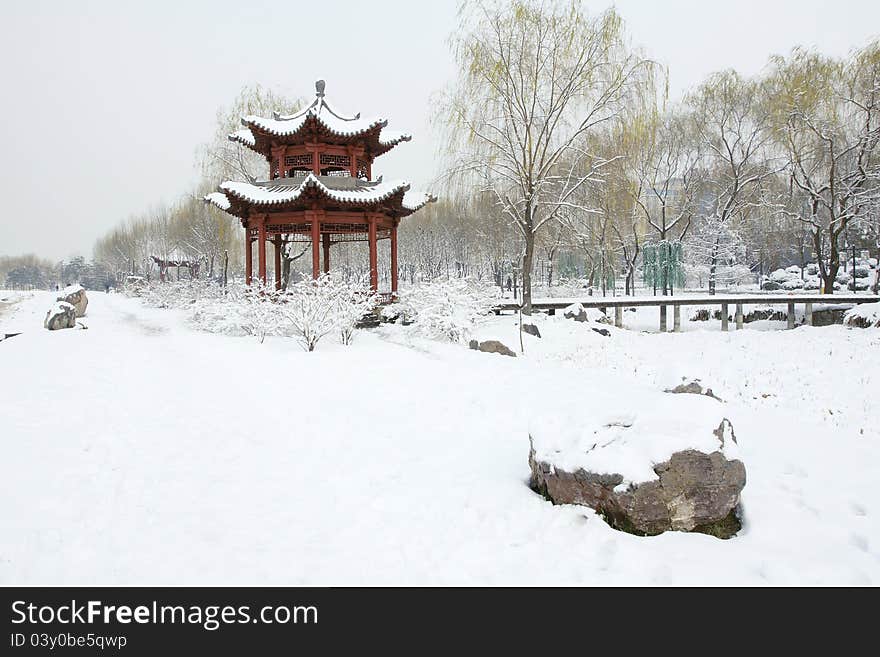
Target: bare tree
<point>536,79</point>
<point>829,116</point>
<point>732,121</point>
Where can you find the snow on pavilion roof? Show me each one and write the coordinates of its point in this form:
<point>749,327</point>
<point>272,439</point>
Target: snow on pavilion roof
<point>236,197</point>
<point>319,114</point>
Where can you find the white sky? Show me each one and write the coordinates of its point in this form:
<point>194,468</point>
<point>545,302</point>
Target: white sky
<point>104,103</point>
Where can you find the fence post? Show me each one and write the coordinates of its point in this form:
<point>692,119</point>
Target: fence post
<point>739,316</point>
<point>724,311</point>
<point>791,315</point>
<point>618,316</point>
<point>808,314</point>
<point>663,319</point>
<point>676,318</point>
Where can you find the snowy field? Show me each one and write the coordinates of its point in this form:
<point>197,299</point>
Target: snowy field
<point>140,451</point>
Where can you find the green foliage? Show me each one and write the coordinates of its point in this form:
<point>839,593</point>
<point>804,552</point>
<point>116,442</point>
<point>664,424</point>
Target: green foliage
<point>663,264</point>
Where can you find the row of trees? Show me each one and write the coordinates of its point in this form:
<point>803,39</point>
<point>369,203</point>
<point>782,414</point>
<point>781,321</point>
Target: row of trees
<point>30,272</point>
<point>569,129</point>
<point>566,158</point>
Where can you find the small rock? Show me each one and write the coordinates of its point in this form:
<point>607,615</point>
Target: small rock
<point>828,316</point>
<point>693,388</point>
<point>473,344</point>
<point>576,312</point>
<point>602,331</point>
<point>495,347</point>
<point>61,316</point>
<point>531,329</point>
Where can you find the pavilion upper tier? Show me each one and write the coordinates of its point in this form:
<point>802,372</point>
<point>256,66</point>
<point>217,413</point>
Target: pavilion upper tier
<point>297,136</point>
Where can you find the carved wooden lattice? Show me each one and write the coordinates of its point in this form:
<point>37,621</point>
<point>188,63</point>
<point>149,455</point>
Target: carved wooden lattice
<point>363,169</point>
<point>298,160</point>
<point>328,160</point>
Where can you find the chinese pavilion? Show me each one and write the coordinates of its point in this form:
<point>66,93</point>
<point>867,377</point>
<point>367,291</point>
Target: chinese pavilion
<point>319,188</point>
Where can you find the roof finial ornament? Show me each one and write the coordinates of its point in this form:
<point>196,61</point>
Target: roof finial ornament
<point>319,88</point>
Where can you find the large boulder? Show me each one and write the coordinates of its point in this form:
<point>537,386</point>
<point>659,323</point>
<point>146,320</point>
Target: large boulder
<point>616,468</point>
<point>75,295</point>
<point>61,316</point>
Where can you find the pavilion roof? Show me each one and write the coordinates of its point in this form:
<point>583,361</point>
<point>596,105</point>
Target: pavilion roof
<point>318,118</point>
<point>300,192</point>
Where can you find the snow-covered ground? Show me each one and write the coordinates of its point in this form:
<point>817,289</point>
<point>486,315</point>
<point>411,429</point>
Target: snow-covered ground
<point>140,451</point>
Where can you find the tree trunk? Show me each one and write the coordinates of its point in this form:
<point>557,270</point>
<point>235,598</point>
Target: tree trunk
<point>713,266</point>
<point>527,260</point>
<point>876,287</point>
<point>828,273</point>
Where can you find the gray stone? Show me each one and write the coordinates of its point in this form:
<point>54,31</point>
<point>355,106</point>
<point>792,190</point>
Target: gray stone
<point>759,314</point>
<point>693,388</point>
<point>531,329</point>
<point>473,344</point>
<point>602,331</point>
<point>61,316</point>
<point>495,347</point>
<point>694,492</point>
<point>580,315</point>
<point>75,295</point>
<point>828,316</point>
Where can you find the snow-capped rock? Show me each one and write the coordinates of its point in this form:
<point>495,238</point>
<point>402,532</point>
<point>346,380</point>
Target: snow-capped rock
<point>75,295</point>
<point>645,472</point>
<point>62,315</point>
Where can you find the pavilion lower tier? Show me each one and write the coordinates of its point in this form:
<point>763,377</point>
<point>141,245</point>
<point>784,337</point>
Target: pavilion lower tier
<point>322,232</point>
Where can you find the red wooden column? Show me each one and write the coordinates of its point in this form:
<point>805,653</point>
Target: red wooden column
<point>394,259</point>
<point>316,159</point>
<point>326,238</point>
<point>352,162</point>
<point>316,245</point>
<point>248,256</point>
<point>374,269</point>
<point>277,241</point>
<point>261,245</point>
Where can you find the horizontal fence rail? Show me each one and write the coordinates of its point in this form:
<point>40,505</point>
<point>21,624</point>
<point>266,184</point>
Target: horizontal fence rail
<point>722,300</point>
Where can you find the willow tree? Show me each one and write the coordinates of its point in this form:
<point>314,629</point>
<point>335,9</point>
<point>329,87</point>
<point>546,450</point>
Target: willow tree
<point>730,116</point>
<point>222,159</point>
<point>828,119</point>
<point>536,79</point>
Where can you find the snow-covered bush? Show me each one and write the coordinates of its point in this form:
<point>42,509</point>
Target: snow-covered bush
<point>781,276</point>
<point>308,310</point>
<point>353,302</point>
<point>311,310</point>
<point>446,309</point>
<point>784,279</point>
<point>259,311</point>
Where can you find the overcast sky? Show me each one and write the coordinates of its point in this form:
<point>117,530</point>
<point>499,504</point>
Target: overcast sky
<point>105,103</point>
